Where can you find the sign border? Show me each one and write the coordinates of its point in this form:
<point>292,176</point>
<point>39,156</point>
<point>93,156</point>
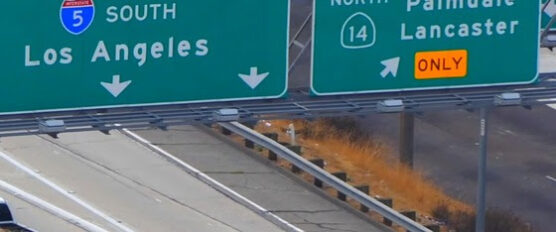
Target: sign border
<point>315,92</point>
<point>116,106</point>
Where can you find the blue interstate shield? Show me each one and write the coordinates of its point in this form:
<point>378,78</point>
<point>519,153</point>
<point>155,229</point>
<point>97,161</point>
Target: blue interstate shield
<point>77,15</point>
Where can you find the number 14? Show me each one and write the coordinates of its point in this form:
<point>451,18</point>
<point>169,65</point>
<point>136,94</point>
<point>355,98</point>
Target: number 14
<point>362,34</point>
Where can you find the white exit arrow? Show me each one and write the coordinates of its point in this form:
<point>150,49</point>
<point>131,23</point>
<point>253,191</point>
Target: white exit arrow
<point>391,66</point>
<point>550,9</point>
<point>254,79</point>
<point>116,87</point>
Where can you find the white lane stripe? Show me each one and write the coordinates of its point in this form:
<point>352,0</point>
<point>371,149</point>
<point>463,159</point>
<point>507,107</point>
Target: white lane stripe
<point>217,185</point>
<point>50,208</point>
<point>553,106</point>
<point>551,178</point>
<point>65,193</point>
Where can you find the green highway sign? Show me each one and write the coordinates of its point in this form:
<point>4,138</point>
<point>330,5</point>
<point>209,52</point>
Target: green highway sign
<point>378,46</point>
<point>547,13</point>
<point>82,54</point>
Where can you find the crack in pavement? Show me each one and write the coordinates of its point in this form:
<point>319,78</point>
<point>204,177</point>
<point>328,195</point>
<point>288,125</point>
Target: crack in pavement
<point>326,225</point>
<point>236,172</point>
<point>306,211</point>
<point>183,144</point>
<point>329,226</point>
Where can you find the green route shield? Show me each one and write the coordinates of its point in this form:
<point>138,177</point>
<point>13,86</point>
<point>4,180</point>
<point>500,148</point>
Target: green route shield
<point>378,46</point>
<point>77,54</point>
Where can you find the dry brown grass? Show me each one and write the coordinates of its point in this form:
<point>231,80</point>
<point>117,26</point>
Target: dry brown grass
<point>366,164</point>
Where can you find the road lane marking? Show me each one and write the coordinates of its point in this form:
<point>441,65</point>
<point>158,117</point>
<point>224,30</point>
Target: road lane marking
<point>553,106</point>
<point>50,208</point>
<point>268,215</point>
<point>65,193</point>
<point>551,178</point>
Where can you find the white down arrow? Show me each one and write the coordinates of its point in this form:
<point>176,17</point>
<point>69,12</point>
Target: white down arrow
<point>116,87</point>
<point>254,79</point>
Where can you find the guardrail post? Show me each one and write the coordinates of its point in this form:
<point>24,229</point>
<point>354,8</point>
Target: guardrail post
<point>296,150</point>
<point>342,176</point>
<point>365,189</point>
<point>271,155</point>
<point>319,163</point>
<point>250,124</point>
<point>410,214</point>
<point>390,203</point>
<point>407,130</point>
<point>433,228</point>
<point>249,144</point>
<point>295,169</point>
<point>226,131</point>
<point>273,136</point>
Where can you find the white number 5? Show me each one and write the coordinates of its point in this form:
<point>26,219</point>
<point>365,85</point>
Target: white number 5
<point>78,18</point>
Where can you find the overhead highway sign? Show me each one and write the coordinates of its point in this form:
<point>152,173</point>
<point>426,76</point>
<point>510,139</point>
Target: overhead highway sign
<point>378,46</point>
<point>80,54</point>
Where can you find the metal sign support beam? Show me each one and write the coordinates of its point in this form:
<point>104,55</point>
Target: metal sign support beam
<point>481,190</point>
<point>407,131</point>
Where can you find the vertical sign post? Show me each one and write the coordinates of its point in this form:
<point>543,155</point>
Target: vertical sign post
<point>481,189</point>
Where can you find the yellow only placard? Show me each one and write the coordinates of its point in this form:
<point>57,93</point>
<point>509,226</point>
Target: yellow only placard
<point>441,64</point>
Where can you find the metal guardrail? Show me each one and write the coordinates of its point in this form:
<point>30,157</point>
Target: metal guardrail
<point>325,177</point>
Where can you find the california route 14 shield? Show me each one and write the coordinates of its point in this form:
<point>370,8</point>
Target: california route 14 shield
<point>77,15</point>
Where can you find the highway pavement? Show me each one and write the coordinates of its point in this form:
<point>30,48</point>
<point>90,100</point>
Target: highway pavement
<point>119,185</point>
<point>259,180</point>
